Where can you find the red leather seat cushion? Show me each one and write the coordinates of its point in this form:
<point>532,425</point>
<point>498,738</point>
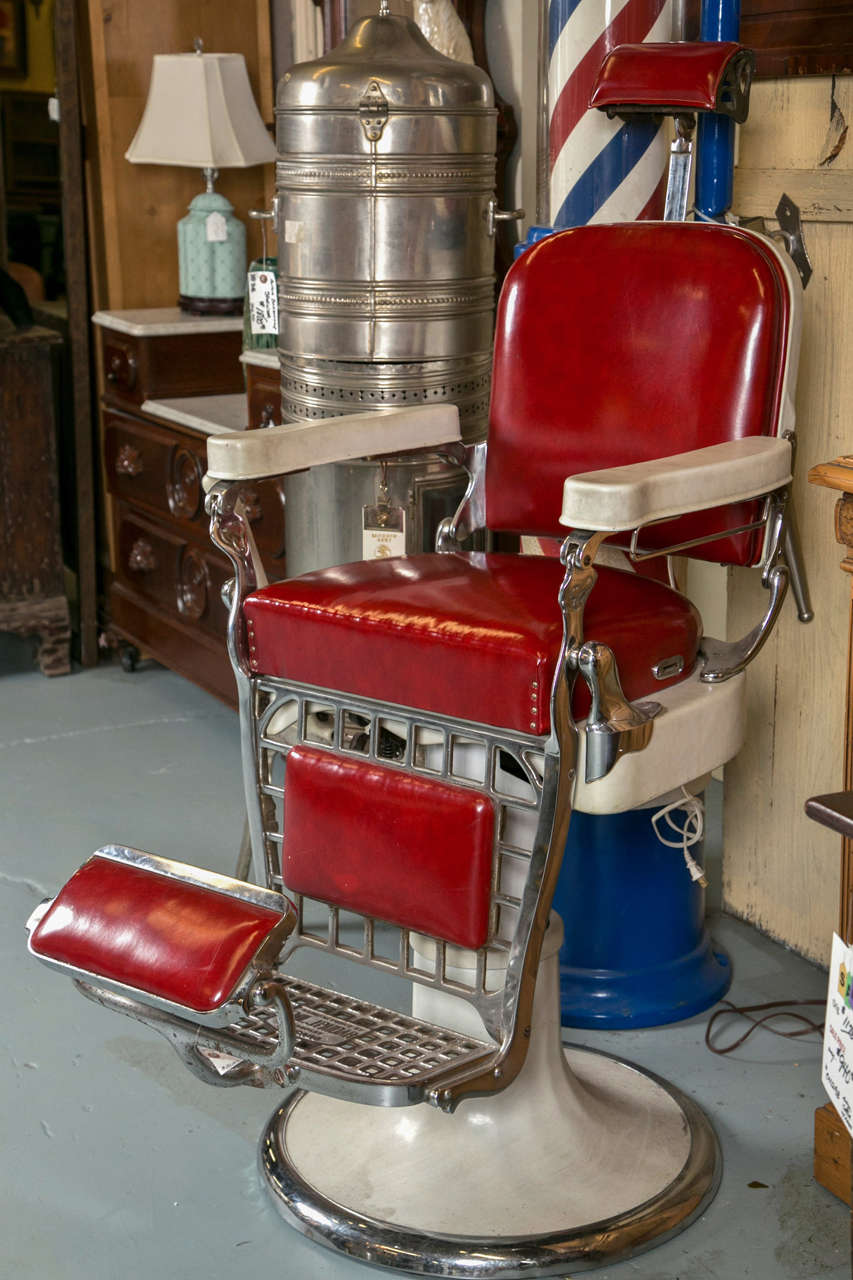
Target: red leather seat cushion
<point>470,635</point>
<point>182,942</point>
<point>374,839</point>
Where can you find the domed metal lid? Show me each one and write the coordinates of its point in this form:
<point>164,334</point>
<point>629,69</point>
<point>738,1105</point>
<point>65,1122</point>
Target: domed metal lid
<point>391,52</point>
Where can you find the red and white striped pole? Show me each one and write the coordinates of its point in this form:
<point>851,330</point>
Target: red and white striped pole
<point>601,170</point>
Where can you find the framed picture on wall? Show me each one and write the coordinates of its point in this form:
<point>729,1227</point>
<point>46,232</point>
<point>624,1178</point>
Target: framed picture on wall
<point>13,38</point>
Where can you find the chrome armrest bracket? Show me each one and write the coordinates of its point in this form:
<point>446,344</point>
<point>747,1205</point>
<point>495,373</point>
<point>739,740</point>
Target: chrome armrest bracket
<point>470,515</point>
<point>231,531</point>
<point>781,564</point>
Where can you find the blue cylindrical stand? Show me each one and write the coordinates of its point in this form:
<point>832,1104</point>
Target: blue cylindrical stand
<point>636,951</point>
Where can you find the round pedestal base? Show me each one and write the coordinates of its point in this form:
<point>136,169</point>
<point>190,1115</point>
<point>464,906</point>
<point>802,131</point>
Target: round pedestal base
<point>603,1162</point>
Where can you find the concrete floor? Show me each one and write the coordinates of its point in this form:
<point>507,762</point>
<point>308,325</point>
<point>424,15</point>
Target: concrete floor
<point>118,1163</point>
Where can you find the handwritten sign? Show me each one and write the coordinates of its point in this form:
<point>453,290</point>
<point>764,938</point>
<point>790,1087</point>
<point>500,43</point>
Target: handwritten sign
<point>263,302</point>
<point>837,1073</point>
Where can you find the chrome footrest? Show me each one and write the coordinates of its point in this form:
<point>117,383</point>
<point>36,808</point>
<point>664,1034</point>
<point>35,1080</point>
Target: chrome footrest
<point>350,1048</point>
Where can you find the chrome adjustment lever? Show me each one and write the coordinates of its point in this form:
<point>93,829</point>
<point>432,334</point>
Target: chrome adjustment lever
<point>615,726</point>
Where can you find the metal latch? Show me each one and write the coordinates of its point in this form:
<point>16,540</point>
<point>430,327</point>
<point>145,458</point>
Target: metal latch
<point>373,111</point>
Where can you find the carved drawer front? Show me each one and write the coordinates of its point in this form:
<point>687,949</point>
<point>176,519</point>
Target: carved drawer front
<point>154,468</point>
<point>179,577</point>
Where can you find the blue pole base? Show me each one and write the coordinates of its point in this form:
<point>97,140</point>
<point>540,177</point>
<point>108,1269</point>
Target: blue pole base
<point>613,1000</point>
<point>636,951</point>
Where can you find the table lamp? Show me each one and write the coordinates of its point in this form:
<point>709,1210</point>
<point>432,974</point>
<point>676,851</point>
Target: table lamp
<point>200,112</point>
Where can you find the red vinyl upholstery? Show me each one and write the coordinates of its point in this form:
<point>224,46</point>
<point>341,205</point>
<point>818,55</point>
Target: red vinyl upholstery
<point>409,850</point>
<point>687,75</point>
<point>601,361</point>
<point>474,636</point>
<point>179,941</point>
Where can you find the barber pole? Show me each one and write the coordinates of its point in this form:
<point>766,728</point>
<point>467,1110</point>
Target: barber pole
<point>601,170</point>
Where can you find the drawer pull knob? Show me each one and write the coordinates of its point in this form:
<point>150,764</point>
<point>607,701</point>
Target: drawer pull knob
<point>142,558</point>
<point>123,363</point>
<point>129,461</point>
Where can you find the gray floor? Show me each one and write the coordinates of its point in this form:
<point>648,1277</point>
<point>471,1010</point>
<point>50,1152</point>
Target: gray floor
<point>118,1163</point>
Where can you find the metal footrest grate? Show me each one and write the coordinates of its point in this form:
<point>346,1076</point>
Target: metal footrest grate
<point>344,1045</point>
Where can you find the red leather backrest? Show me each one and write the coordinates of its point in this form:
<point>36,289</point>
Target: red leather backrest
<point>618,344</point>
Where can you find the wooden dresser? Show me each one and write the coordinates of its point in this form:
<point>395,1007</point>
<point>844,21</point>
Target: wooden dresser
<point>263,387</point>
<point>172,380</point>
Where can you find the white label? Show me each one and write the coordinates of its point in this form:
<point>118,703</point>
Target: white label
<point>837,1072</point>
<point>263,302</point>
<point>215,226</point>
<point>292,231</point>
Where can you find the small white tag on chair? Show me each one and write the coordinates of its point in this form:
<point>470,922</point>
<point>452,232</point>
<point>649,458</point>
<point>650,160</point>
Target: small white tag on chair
<point>837,1070</point>
<point>383,532</point>
<point>215,226</point>
<point>263,302</point>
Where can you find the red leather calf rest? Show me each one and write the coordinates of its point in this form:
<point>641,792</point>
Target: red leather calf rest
<point>187,943</point>
<point>472,636</point>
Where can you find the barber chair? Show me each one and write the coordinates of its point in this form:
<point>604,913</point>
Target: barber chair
<point>416,733</point>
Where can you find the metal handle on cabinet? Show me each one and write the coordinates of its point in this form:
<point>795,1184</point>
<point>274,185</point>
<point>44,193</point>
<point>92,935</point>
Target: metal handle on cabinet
<point>129,461</point>
<point>494,215</point>
<point>123,361</point>
<point>142,558</point>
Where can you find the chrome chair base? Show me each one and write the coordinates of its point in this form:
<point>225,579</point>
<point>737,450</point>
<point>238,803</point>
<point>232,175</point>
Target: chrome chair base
<point>584,1160</point>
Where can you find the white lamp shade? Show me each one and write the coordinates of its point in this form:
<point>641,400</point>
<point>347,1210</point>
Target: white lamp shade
<point>200,112</point>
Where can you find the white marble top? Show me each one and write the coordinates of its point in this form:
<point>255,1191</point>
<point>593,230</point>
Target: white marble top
<point>214,415</point>
<point>156,322</point>
<point>267,358</point>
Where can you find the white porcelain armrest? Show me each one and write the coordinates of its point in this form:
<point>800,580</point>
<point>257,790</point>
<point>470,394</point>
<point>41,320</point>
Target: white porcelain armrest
<point>623,498</point>
<point>293,446</point>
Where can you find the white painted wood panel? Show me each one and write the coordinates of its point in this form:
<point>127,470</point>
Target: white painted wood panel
<point>781,871</point>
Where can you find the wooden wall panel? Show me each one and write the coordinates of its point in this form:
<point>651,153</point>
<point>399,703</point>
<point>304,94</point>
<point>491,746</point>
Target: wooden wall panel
<point>140,205</point>
<point>781,871</point>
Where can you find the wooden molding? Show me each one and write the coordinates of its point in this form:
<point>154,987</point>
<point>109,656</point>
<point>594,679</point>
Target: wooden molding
<point>822,195</point>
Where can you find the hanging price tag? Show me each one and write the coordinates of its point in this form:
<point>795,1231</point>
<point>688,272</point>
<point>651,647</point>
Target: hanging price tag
<point>263,302</point>
<point>215,227</point>
<point>837,1072</point>
<point>383,532</point>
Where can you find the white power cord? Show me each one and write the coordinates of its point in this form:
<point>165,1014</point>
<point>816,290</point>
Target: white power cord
<point>688,834</point>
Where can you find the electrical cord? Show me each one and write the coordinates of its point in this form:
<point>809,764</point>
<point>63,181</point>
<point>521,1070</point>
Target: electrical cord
<point>773,1009</point>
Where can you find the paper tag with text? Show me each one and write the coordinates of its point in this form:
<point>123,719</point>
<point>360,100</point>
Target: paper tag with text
<point>837,1072</point>
<point>383,532</point>
<point>263,302</point>
<point>215,227</point>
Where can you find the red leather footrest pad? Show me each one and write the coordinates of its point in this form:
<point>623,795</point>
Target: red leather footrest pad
<point>471,636</point>
<point>182,942</point>
<point>376,840</point>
